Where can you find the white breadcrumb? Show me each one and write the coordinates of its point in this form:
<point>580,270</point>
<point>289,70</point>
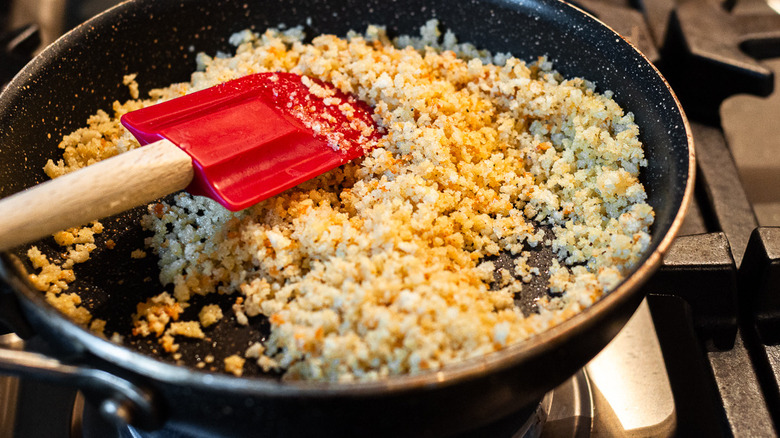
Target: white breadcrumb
<point>377,268</point>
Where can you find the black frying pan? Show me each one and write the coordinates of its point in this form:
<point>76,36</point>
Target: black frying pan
<point>83,72</point>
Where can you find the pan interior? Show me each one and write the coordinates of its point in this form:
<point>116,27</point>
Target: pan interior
<point>60,89</point>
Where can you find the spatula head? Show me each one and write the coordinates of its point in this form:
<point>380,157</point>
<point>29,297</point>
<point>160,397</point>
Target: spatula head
<point>256,136</point>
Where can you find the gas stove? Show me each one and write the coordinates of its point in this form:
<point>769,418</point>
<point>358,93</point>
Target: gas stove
<point>701,356</point>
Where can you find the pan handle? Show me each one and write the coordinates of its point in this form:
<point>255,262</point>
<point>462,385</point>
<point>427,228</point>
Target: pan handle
<point>119,400</point>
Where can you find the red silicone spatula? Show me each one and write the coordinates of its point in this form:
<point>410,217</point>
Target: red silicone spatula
<point>239,142</point>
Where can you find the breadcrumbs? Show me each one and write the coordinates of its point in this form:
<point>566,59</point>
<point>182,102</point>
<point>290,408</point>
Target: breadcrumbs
<point>53,278</point>
<point>378,268</point>
<point>234,364</point>
<point>70,305</point>
<point>190,329</point>
<point>132,85</point>
<point>209,315</point>
<point>154,315</point>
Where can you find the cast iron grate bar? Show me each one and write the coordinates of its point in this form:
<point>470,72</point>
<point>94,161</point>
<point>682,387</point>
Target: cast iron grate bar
<point>718,178</point>
<point>703,276</point>
<point>700,270</point>
<point>693,303</point>
<point>706,66</point>
<point>696,400</point>
<point>759,278</point>
<point>759,282</point>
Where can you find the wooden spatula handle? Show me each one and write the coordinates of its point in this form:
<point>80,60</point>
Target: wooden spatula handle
<point>109,187</point>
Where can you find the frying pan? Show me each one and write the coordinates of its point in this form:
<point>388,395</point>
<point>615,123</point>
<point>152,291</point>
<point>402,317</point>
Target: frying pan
<point>83,72</point>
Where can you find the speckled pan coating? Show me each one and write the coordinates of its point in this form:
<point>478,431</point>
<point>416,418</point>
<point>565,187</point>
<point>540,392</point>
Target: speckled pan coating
<point>158,39</point>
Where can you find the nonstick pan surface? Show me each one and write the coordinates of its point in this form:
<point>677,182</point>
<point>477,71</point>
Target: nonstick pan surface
<point>83,71</point>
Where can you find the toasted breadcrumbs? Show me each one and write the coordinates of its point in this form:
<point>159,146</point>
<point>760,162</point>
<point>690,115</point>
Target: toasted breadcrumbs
<point>190,329</point>
<point>154,315</point>
<point>209,315</point>
<point>378,268</point>
<point>234,364</point>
